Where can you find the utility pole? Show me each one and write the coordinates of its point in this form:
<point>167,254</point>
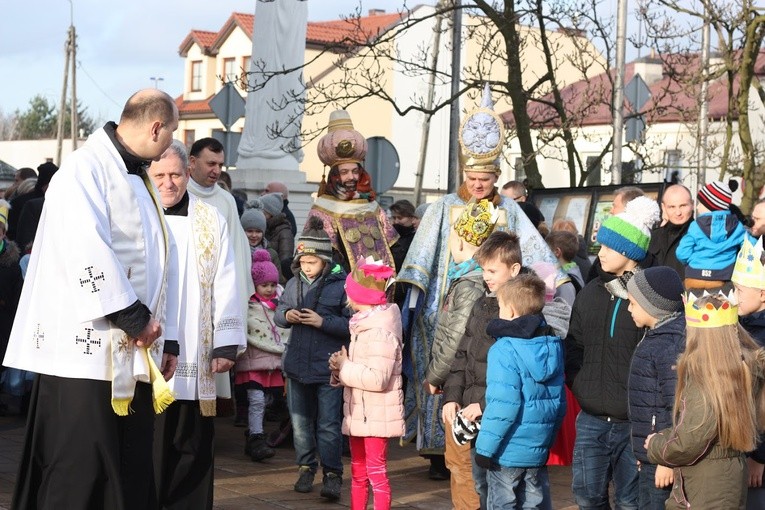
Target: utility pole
<point>701,170</point>
<point>454,107</point>
<point>62,104</point>
<point>70,59</point>
<point>74,120</point>
<point>618,106</point>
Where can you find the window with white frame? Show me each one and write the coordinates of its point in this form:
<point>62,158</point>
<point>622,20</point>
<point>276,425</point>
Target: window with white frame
<point>189,136</point>
<point>196,76</point>
<point>673,165</point>
<point>230,70</point>
<point>593,164</point>
<point>244,79</point>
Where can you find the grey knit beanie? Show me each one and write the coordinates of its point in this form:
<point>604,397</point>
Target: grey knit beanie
<point>420,210</point>
<point>658,290</point>
<point>253,218</point>
<point>314,241</point>
<point>272,203</point>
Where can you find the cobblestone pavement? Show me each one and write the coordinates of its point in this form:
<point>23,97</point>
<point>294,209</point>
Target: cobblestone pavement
<point>243,484</point>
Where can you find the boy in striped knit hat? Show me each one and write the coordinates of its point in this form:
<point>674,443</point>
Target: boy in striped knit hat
<point>709,248</point>
<point>313,307</point>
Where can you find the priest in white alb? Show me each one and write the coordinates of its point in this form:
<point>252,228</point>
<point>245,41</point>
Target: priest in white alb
<point>90,320</point>
<point>204,317</point>
<point>206,163</point>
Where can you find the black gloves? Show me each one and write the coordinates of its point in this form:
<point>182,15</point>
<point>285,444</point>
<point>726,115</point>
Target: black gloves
<point>486,462</point>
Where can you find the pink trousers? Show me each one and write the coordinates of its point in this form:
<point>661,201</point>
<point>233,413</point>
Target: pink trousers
<point>368,467</point>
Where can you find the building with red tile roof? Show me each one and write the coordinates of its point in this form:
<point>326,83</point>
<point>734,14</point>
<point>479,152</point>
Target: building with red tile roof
<point>214,57</point>
<point>671,113</point>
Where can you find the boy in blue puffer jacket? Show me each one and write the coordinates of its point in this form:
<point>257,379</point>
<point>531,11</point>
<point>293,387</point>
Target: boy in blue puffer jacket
<point>313,306</point>
<point>525,400</point>
<point>710,246</point>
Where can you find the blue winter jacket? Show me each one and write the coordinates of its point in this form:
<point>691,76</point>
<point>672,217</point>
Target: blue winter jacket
<point>652,380</point>
<point>525,400</point>
<point>710,246</point>
<point>306,358</point>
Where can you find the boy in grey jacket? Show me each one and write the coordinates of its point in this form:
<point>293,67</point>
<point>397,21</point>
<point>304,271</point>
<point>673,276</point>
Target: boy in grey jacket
<point>466,288</point>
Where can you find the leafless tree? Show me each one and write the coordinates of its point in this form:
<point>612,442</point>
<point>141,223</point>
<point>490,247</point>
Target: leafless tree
<point>739,27</point>
<point>503,32</point>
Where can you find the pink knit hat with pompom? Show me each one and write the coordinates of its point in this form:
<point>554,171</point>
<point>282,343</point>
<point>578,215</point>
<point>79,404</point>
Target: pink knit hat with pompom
<point>263,270</point>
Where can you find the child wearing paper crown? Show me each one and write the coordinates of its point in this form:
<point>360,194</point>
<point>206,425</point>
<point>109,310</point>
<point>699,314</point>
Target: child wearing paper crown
<point>370,371</point>
<point>749,281</point>
<point>709,248</point>
<point>719,409</point>
<point>260,366</point>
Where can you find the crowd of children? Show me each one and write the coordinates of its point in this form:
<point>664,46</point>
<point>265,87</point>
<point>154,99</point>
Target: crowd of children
<point>668,376</point>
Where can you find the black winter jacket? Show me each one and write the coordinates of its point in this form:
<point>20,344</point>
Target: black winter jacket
<point>306,358</point>
<point>652,381</point>
<point>10,290</point>
<point>280,237</point>
<point>664,241</point>
<point>599,346</point>
<point>754,324</point>
<point>466,383</point>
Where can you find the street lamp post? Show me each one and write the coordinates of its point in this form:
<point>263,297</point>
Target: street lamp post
<point>156,81</point>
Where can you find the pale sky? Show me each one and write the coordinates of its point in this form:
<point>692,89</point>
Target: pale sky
<point>121,44</point>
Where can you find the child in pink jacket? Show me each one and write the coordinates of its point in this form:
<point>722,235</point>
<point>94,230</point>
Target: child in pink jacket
<point>370,370</point>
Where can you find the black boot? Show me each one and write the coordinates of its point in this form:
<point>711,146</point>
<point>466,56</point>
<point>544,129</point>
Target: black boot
<point>438,469</point>
<point>242,406</point>
<point>257,448</point>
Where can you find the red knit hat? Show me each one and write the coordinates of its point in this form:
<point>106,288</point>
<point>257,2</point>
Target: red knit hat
<point>367,283</point>
<point>716,196</point>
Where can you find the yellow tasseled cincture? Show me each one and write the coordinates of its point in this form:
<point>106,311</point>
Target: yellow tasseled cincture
<point>121,406</point>
<point>163,397</point>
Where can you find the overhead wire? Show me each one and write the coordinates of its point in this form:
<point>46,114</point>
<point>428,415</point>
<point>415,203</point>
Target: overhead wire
<point>95,83</point>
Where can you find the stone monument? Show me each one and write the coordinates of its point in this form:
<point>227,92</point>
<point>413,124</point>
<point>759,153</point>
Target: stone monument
<point>269,149</point>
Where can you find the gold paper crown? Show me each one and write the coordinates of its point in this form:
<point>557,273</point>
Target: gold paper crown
<point>373,274</point>
<point>749,270</point>
<point>476,222</point>
<point>708,315</point>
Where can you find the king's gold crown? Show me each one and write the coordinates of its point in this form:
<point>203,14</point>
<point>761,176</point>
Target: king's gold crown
<point>707,315</point>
